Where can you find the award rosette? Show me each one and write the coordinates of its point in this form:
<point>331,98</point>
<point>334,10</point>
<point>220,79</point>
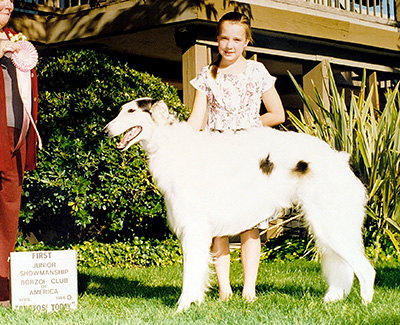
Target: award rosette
<point>26,58</point>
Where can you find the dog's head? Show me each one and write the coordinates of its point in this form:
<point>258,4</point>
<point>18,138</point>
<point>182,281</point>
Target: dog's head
<point>137,120</point>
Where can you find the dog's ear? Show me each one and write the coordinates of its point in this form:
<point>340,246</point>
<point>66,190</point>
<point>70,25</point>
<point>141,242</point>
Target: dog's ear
<point>159,112</point>
<point>145,103</point>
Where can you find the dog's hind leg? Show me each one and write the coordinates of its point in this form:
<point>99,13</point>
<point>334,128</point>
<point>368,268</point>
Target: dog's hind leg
<point>196,259</point>
<point>337,273</point>
<point>366,276</point>
<point>351,250</point>
<point>340,245</point>
<point>339,267</point>
<point>334,209</point>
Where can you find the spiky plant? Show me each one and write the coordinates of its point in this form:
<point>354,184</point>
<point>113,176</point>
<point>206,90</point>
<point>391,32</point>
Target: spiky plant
<point>372,137</point>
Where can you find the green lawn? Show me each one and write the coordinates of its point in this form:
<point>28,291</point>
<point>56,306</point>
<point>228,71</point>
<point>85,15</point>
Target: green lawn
<point>289,293</point>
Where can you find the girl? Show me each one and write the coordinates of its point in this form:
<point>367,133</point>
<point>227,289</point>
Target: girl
<point>228,97</point>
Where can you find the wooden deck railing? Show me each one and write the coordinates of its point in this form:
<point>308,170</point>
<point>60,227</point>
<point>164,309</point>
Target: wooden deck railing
<point>377,8</point>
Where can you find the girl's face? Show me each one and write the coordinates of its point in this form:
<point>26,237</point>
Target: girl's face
<point>6,8</point>
<point>232,41</point>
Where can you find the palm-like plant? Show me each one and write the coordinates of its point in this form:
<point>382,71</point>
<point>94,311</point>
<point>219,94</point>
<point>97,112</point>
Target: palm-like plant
<point>372,137</point>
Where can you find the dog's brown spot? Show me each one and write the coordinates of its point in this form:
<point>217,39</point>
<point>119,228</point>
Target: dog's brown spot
<point>301,168</point>
<point>266,165</point>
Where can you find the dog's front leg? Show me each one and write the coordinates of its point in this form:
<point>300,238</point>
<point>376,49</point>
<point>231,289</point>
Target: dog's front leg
<point>196,259</point>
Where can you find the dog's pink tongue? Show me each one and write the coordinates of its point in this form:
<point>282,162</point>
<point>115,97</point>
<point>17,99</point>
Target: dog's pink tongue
<point>129,136</point>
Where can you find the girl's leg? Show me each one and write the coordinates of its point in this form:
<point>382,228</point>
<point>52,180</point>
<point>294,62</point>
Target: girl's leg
<point>251,249</point>
<point>221,254</point>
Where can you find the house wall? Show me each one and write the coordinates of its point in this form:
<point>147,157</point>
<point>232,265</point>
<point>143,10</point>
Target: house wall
<point>295,17</point>
<point>293,35</point>
<point>308,19</point>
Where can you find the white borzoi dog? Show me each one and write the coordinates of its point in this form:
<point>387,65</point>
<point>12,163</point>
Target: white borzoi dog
<point>218,184</point>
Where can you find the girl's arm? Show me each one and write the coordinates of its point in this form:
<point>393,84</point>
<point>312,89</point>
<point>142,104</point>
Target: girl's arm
<point>198,116</point>
<point>275,112</point>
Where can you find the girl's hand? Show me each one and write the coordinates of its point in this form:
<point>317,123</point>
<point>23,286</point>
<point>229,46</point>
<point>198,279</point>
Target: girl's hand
<point>8,47</point>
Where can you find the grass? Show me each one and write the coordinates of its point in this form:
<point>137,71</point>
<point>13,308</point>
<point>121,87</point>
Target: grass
<point>289,293</point>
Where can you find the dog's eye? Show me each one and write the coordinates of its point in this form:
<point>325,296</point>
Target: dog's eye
<point>131,110</point>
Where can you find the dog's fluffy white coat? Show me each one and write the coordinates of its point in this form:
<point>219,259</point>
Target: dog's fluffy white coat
<point>214,185</point>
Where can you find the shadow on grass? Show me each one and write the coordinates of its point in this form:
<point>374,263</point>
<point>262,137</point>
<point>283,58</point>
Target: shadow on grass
<point>388,276</point>
<point>291,289</point>
<point>121,287</point>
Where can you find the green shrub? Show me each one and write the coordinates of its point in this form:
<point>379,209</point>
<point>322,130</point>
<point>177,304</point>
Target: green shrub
<point>288,249</point>
<point>137,253</point>
<point>283,248</point>
<point>83,187</point>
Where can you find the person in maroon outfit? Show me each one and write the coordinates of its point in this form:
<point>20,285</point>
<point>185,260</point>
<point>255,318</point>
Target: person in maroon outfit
<point>18,144</point>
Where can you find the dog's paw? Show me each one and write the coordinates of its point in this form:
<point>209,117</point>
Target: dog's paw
<point>367,296</point>
<point>367,286</point>
<point>182,307</point>
<point>334,294</point>
<point>185,301</point>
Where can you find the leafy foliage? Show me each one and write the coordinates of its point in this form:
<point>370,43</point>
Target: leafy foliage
<point>289,249</point>
<point>83,187</point>
<point>139,252</point>
<point>136,253</point>
<point>372,137</point>
<point>284,248</point>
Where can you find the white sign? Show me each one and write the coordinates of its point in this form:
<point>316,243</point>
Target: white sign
<point>44,280</point>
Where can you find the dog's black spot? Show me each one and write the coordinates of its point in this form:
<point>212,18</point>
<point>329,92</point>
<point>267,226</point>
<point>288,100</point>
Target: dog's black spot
<point>266,165</point>
<point>301,167</point>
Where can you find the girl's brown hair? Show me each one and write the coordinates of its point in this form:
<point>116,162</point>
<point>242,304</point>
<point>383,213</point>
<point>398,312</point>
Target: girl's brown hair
<point>236,18</point>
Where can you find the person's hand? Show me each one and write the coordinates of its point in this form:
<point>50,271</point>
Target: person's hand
<point>8,47</point>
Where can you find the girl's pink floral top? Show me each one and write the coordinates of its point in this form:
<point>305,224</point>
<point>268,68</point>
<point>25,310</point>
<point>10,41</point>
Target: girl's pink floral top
<point>234,99</point>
